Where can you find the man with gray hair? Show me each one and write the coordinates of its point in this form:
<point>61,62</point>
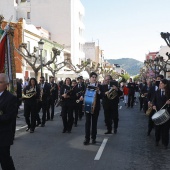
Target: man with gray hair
<point>8,112</point>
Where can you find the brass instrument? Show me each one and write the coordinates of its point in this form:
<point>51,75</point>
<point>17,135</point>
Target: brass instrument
<point>77,101</point>
<point>41,94</point>
<point>29,93</point>
<point>60,101</point>
<point>112,93</point>
<point>53,88</point>
<point>148,112</point>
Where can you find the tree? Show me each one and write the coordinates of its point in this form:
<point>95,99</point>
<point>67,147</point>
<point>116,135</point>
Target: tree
<point>136,78</point>
<point>31,58</point>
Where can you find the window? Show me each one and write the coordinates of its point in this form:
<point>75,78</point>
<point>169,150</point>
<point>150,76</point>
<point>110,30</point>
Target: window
<point>28,15</point>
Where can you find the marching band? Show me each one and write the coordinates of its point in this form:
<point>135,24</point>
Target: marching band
<point>78,98</point>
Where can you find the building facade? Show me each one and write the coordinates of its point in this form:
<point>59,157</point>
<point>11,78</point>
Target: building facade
<point>63,19</point>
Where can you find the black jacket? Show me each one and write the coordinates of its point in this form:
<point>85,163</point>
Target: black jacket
<point>107,101</point>
<point>160,100</point>
<point>8,112</point>
<point>53,91</point>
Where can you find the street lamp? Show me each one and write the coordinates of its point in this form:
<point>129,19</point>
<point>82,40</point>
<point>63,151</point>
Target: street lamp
<point>40,45</point>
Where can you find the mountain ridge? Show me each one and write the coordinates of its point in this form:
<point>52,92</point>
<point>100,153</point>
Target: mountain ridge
<point>132,66</point>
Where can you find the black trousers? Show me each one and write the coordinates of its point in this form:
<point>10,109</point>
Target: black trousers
<point>76,113</point>
<point>162,132</point>
<point>141,102</point>
<point>91,124</point>
<point>30,110</point>
<point>111,116</point>
<point>67,117</point>
<point>5,158</point>
<point>130,100</point>
<point>150,122</point>
<point>41,105</point>
<point>80,110</point>
<point>50,109</point>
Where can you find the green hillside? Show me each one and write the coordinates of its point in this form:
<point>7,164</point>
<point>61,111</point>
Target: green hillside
<point>132,66</point>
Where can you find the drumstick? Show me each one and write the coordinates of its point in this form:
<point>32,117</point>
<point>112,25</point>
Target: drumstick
<point>163,105</point>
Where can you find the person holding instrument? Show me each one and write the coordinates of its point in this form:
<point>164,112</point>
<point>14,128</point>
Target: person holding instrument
<point>92,118</point>
<point>31,96</point>
<point>162,99</point>
<point>66,94</point>
<point>111,94</point>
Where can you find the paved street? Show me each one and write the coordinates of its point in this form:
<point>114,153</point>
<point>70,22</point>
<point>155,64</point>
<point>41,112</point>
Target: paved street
<point>129,149</point>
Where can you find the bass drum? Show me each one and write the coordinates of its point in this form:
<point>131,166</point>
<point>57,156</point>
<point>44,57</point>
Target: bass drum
<point>161,117</point>
<point>90,100</point>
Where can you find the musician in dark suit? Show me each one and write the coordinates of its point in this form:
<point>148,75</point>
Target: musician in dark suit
<point>91,119</point>
<point>110,105</point>
<point>74,100</point>
<point>43,102</point>
<point>143,92</point>
<point>8,112</point>
<point>162,96</point>
<point>150,98</point>
<point>81,90</point>
<point>31,96</point>
<point>131,93</point>
<point>68,100</point>
<point>53,98</point>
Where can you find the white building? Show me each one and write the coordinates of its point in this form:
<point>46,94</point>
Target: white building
<point>93,52</point>
<point>62,18</point>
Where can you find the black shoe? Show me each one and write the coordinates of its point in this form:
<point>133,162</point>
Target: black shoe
<point>27,129</point>
<point>42,125</point>
<point>165,147</point>
<point>38,123</point>
<point>64,131</point>
<point>93,141</point>
<point>108,132</point>
<point>75,125</point>
<point>86,142</point>
<point>69,131</point>
<point>31,131</point>
<point>115,131</point>
<point>157,143</point>
<point>51,119</point>
<point>18,116</point>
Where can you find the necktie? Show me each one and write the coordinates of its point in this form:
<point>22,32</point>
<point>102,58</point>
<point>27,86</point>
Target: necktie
<point>162,93</point>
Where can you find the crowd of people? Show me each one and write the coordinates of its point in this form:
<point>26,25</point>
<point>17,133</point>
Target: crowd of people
<point>73,96</point>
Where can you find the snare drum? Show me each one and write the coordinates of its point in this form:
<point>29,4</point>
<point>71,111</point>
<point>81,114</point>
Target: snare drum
<point>160,117</point>
<point>90,100</point>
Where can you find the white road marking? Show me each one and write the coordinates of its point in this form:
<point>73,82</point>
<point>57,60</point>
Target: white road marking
<point>100,151</point>
<point>17,129</point>
<point>120,107</point>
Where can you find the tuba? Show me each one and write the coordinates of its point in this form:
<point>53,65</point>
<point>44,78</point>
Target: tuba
<point>112,93</point>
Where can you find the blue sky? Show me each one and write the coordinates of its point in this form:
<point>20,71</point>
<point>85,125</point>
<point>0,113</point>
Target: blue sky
<point>126,28</point>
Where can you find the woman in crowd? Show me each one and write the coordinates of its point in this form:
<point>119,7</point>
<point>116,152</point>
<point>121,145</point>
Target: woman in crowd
<point>31,96</point>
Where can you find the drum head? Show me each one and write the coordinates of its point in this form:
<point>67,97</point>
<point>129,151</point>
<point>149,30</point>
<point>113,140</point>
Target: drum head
<point>158,114</point>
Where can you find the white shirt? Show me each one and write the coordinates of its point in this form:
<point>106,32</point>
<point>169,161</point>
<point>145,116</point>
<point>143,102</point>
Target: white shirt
<point>1,93</point>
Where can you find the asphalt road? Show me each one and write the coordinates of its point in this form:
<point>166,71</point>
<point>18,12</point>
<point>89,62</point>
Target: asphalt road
<point>130,149</point>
